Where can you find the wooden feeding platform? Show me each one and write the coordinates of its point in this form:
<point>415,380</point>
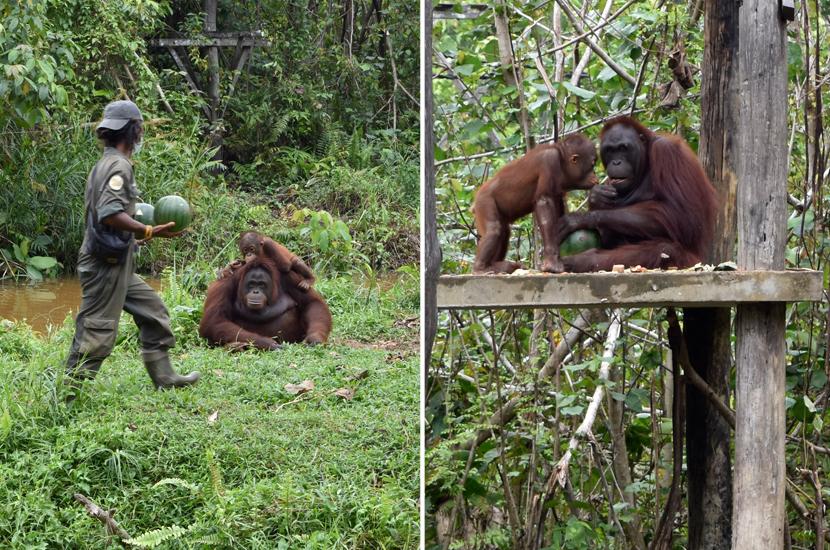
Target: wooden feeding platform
<point>685,288</point>
<point>744,89</point>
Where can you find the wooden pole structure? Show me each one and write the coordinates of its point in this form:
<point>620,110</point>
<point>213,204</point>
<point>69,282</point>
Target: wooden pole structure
<point>243,42</point>
<point>760,477</point>
<point>432,249</point>
<point>213,75</point>
<point>708,330</point>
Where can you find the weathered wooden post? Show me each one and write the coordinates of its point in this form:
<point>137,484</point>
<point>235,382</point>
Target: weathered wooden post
<point>760,477</point>
<point>213,76</point>
<point>431,259</point>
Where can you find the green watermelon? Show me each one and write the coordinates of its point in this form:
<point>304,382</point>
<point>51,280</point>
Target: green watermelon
<point>144,213</point>
<point>173,208</point>
<point>579,241</point>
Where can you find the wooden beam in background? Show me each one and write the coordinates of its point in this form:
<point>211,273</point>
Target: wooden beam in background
<point>207,42</point>
<point>458,11</point>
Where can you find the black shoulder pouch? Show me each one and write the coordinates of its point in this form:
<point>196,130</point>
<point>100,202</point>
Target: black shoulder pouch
<point>108,244</point>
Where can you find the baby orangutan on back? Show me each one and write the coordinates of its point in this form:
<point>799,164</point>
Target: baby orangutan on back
<point>536,183</point>
<point>252,244</point>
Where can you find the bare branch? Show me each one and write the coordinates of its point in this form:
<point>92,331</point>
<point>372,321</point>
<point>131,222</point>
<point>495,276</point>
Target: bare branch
<point>398,83</point>
<point>586,55</point>
<point>106,517</point>
<point>560,472</point>
<point>593,45</point>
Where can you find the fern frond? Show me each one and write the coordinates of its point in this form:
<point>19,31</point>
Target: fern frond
<point>337,141</point>
<point>209,540</point>
<point>178,482</point>
<point>321,146</point>
<point>153,538</point>
<point>215,473</point>
<point>280,125</point>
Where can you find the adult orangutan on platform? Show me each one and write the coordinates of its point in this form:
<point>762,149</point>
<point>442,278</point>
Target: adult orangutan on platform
<point>536,183</point>
<point>657,211</point>
<point>258,305</point>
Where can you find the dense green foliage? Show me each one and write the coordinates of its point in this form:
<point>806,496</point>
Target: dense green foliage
<point>272,470</point>
<point>318,138</point>
<point>486,496</point>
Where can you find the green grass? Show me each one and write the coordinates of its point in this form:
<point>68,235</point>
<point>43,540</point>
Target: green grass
<point>272,471</point>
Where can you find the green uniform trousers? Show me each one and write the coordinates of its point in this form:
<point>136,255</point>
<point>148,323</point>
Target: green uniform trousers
<point>106,291</point>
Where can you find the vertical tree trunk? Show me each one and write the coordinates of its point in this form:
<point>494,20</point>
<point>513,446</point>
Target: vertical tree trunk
<point>708,330</point>
<point>760,477</point>
<point>348,28</point>
<point>812,102</point>
<point>619,461</point>
<point>513,77</point>
<point>512,73</point>
<point>431,255</point>
<point>708,452</point>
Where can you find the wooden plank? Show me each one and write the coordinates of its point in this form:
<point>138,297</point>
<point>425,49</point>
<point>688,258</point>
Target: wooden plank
<point>233,35</point>
<point>652,288</point>
<point>458,11</point>
<point>758,512</point>
<point>206,42</point>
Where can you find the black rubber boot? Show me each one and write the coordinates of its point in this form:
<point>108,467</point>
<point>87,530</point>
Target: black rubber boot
<point>163,375</point>
<point>76,372</point>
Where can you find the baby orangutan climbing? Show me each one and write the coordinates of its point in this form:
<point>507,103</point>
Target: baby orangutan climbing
<point>536,183</point>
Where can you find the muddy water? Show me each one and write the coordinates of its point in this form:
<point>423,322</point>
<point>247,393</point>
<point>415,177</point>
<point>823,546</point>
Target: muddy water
<point>47,304</point>
<point>44,304</point>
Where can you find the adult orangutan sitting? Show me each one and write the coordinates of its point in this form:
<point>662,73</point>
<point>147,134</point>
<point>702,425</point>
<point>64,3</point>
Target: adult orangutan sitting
<point>260,306</point>
<point>657,211</point>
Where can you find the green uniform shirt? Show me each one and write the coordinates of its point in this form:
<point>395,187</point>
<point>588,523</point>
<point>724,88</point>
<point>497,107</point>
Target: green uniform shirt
<point>110,189</point>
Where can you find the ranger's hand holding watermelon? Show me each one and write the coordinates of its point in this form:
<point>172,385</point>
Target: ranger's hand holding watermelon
<point>169,217</point>
<point>166,230</point>
<point>159,231</point>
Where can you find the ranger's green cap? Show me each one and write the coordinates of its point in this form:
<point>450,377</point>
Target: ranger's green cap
<point>118,113</point>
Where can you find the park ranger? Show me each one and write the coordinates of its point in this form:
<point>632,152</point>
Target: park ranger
<point>106,263</point>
